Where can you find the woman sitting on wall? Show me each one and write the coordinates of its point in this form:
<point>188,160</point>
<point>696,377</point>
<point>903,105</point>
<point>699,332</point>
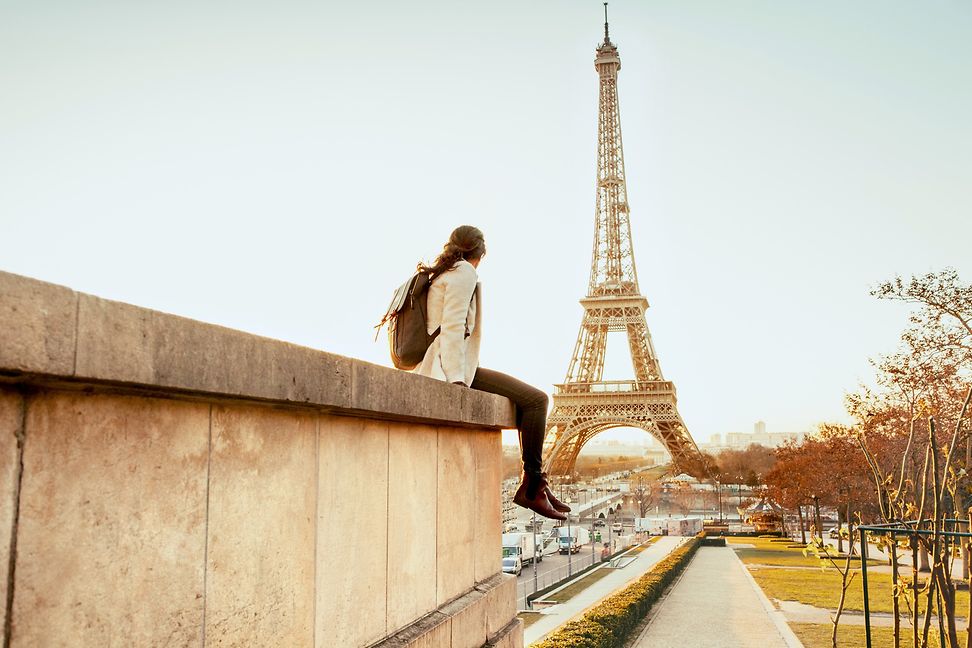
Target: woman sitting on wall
<point>455,308</point>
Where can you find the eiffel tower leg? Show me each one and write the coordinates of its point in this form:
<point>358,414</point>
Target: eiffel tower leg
<point>642,353</point>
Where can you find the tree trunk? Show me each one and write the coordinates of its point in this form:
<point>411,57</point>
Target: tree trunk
<point>803,528</point>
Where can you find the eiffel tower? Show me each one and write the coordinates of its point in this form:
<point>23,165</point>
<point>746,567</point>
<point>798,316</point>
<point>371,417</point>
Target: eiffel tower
<point>585,404</point>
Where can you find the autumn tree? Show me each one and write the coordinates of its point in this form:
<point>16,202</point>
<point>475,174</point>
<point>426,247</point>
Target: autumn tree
<point>643,496</point>
<point>911,428</point>
<point>747,466</point>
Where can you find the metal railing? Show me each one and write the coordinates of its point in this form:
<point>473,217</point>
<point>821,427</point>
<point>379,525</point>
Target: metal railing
<point>911,529</point>
<point>615,386</point>
<point>579,562</point>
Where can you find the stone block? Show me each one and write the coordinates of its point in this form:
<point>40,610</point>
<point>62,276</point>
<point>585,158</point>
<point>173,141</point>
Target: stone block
<point>509,637</point>
<point>488,453</point>
<point>11,423</point>
<point>112,528</point>
<point>37,326</point>
<point>352,537</point>
<point>115,341</point>
<point>456,514</point>
<point>412,460</point>
<point>402,394</point>
<point>433,631</point>
<point>124,343</point>
<point>481,408</point>
<point>262,517</point>
<point>500,592</point>
<point>468,614</point>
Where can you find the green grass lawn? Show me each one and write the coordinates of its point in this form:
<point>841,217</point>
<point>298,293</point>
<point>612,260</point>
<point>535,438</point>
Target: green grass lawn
<point>767,552</point>
<point>529,618</point>
<point>637,550</point>
<point>817,635</point>
<point>578,586</point>
<point>652,474</point>
<point>822,589</point>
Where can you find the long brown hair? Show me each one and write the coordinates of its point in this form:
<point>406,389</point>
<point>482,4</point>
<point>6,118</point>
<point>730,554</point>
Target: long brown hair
<point>465,242</point>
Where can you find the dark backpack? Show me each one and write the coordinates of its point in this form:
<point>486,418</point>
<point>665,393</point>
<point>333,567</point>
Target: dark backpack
<point>407,319</point>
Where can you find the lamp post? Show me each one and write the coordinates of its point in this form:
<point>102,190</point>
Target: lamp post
<point>535,586</point>
<point>842,491</point>
<point>816,509</point>
<point>570,549</point>
<point>719,491</point>
<point>590,512</point>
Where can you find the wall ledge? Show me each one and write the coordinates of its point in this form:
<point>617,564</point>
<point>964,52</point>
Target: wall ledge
<point>50,334</point>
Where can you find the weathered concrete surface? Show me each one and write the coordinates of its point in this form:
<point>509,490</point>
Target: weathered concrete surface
<point>112,528</point>
<point>412,564</point>
<point>510,636</point>
<point>262,520</point>
<point>37,326</point>
<point>500,593</point>
<point>456,515</point>
<point>120,342</point>
<point>378,389</point>
<point>49,330</point>
<point>458,624</point>
<point>352,545</point>
<point>184,483</point>
<point>488,453</point>
<point>468,614</point>
<point>11,423</point>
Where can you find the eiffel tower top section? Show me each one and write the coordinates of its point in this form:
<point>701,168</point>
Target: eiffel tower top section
<point>613,271</point>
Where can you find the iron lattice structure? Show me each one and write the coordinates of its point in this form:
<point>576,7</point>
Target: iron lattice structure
<point>586,404</point>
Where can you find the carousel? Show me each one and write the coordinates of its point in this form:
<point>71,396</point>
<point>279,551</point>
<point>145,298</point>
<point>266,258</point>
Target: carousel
<point>766,516</point>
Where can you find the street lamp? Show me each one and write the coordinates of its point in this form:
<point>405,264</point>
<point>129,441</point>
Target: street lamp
<point>719,490</point>
<point>535,577</point>
<point>816,508</point>
<point>842,491</point>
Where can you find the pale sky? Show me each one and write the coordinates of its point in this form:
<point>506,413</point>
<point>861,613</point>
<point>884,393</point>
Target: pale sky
<point>280,167</point>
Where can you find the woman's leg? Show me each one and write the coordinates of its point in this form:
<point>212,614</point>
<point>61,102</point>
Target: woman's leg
<point>531,421</point>
<point>531,412</point>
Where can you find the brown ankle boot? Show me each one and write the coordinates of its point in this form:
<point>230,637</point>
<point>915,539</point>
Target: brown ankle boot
<point>554,502</point>
<point>533,496</point>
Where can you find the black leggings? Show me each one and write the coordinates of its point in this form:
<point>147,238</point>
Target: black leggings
<point>531,412</point>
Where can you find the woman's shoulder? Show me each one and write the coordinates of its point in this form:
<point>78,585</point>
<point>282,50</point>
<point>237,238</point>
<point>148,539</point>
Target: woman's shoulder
<point>461,271</point>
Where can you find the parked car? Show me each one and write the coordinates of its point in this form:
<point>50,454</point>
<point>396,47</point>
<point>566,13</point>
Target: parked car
<point>512,565</point>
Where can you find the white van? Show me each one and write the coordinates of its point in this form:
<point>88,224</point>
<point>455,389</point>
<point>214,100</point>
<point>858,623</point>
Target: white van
<point>512,565</point>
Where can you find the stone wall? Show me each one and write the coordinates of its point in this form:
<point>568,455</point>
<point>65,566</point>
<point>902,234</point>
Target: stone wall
<point>165,482</point>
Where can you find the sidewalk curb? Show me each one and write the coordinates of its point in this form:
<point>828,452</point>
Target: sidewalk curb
<point>776,616</point>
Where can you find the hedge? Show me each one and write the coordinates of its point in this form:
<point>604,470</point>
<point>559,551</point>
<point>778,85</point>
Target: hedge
<point>609,624</point>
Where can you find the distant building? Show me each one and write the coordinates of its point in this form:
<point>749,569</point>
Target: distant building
<point>740,440</point>
<point>759,436</point>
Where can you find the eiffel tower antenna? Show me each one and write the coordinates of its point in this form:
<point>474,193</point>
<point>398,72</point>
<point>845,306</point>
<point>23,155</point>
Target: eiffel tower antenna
<point>585,404</point>
<point>607,39</point>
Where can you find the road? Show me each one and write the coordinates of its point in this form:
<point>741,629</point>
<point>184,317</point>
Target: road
<point>556,567</point>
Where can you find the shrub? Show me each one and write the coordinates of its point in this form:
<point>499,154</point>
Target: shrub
<point>610,623</point>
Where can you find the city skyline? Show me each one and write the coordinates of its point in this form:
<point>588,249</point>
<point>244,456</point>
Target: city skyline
<point>280,170</point>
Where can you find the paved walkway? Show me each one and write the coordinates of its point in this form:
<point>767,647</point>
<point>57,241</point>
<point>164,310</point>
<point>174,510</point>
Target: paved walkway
<point>557,615</point>
<point>716,604</point>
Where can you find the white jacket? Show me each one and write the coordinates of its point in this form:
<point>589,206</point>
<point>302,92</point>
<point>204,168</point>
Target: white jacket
<point>455,305</point>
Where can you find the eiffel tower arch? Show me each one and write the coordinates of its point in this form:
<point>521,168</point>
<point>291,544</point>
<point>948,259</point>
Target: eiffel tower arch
<point>585,404</point>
